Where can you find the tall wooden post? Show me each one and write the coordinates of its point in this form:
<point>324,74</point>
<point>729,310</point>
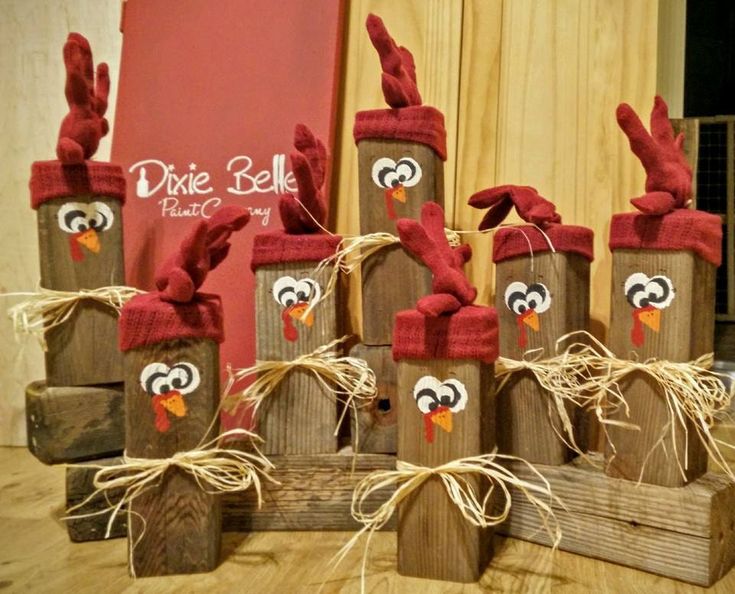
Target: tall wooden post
<point>539,296</point>
<point>445,413</point>
<point>662,307</point>
<point>81,247</point>
<point>299,416</point>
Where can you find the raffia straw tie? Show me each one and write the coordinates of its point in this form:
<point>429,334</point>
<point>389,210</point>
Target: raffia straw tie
<point>45,308</point>
<point>216,470</point>
<point>456,477</point>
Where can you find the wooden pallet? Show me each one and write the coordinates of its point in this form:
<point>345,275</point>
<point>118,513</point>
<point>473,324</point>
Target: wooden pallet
<point>685,533</point>
<point>315,494</point>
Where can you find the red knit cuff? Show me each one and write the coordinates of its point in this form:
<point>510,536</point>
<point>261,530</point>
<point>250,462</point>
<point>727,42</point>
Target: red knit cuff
<point>470,333</point>
<point>52,179</point>
<point>682,229</point>
<point>147,320</point>
<point>275,247</point>
<point>510,242</point>
<point>418,123</point>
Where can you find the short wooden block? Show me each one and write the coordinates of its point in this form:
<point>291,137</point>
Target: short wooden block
<point>300,415</point>
<point>72,424</point>
<point>687,533</point>
<point>376,426</point>
<point>169,409</point>
<point>434,540</point>
<point>315,493</point>
<point>80,486</point>
<point>392,280</point>
<point>558,286</point>
<point>83,350</point>
<point>686,331</point>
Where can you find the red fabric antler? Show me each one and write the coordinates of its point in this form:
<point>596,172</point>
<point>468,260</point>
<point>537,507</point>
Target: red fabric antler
<point>668,175</point>
<point>84,125</point>
<point>309,163</point>
<point>530,206</point>
<point>202,250</point>
<point>399,69</point>
<point>427,241</point>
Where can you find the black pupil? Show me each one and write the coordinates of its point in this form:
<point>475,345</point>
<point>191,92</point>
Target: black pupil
<point>521,308</point>
<point>301,295</point>
<point>289,301</point>
<point>433,405</point>
<point>395,182</point>
<point>83,227</point>
<point>446,400</point>
<point>402,178</point>
<point>532,303</point>
<point>165,388</point>
<point>645,301</point>
<point>176,382</point>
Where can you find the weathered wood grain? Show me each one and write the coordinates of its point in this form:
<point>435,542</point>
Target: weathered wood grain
<point>376,426</point>
<point>434,540</point>
<point>300,415</point>
<point>83,350</point>
<point>686,332</point>
<point>686,534</point>
<point>392,279</point>
<point>528,424</point>
<point>76,423</point>
<point>183,523</point>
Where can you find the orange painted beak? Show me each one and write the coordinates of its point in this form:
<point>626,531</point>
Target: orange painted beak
<point>399,193</point>
<point>443,418</point>
<point>174,403</point>
<point>90,240</point>
<point>651,318</point>
<point>530,319</point>
<point>297,313</point>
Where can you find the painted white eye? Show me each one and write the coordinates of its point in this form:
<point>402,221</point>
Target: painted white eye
<point>641,291</point>
<point>307,291</point>
<point>159,378</point>
<point>72,217</point>
<point>284,291</point>
<point>538,297</point>
<point>515,297</point>
<point>100,216</point>
<point>408,171</point>
<point>426,393</point>
<point>384,173</point>
<point>453,394</point>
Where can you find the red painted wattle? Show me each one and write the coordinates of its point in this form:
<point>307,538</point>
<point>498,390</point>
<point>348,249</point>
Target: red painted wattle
<point>295,312</point>
<point>75,248</point>
<point>440,416</point>
<point>644,316</point>
<point>170,402</point>
<point>528,318</point>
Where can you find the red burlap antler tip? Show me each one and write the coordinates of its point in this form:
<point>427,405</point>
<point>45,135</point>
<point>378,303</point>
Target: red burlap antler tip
<point>668,175</point>
<point>307,213</point>
<point>84,125</point>
<point>202,250</point>
<point>529,204</point>
<point>427,241</point>
<point>399,69</point>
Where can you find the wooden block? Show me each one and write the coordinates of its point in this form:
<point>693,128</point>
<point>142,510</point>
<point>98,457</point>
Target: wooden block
<point>72,424</point>
<point>183,522</point>
<point>80,486</point>
<point>686,534</point>
<point>299,416</point>
<point>376,426</point>
<point>83,350</point>
<point>393,280</point>
<point>434,540</point>
<point>686,331</point>
<point>559,286</point>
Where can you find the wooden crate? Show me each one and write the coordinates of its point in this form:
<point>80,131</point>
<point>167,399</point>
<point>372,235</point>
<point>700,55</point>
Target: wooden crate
<point>685,533</point>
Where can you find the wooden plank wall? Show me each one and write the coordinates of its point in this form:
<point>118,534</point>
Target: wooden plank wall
<point>529,90</point>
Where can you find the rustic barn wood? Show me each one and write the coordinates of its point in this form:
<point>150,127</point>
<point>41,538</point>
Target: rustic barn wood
<point>79,487</point>
<point>183,523</point>
<point>686,332</point>
<point>376,426</point>
<point>75,423</point>
<point>393,280</point>
<point>528,424</point>
<point>83,350</point>
<point>687,534</point>
<point>300,415</point>
<point>434,540</point>
<point>313,493</point>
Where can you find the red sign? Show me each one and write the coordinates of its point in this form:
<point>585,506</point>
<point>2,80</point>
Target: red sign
<point>209,93</point>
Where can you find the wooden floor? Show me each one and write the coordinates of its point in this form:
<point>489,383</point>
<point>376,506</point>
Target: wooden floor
<point>36,556</point>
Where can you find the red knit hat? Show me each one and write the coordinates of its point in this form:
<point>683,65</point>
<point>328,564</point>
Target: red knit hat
<point>445,325</point>
<point>407,119</point>
<point>177,309</point>
<point>522,240</point>
<point>302,239</point>
<point>79,135</point>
